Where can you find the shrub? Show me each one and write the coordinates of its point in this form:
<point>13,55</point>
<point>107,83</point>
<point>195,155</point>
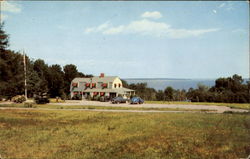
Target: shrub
<point>96,98</point>
<point>102,99</point>
<point>18,99</point>
<point>77,97</point>
<point>63,96</point>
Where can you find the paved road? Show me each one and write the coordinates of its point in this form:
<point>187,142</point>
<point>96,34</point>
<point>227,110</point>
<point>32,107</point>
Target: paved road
<point>104,110</point>
<point>217,109</point>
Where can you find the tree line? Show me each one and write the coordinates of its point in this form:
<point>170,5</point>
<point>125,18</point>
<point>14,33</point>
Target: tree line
<point>41,77</point>
<point>227,90</point>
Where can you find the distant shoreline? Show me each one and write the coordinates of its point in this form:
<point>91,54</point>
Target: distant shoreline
<point>176,83</point>
<point>168,79</point>
<point>245,79</point>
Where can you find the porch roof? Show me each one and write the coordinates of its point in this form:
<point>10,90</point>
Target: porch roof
<point>107,90</point>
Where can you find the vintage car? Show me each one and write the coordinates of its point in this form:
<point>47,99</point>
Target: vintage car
<point>136,100</point>
<point>118,100</point>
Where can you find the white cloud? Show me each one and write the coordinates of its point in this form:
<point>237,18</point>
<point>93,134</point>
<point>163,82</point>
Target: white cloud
<point>227,6</point>
<point>10,7</point>
<point>89,30</point>
<point>151,28</point>
<point>184,33</point>
<point>114,30</point>
<point>222,5</point>
<point>214,11</point>
<point>153,15</point>
<point>144,27</point>
<point>97,29</point>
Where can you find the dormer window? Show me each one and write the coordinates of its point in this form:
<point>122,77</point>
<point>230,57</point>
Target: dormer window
<point>115,85</point>
<point>74,84</point>
<point>120,85</point>
<point>87,84</point>
<point>93,85</point>
<point>104,85</point>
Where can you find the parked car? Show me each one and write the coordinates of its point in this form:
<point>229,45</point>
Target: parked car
<point>136,100</point>
<point>104,99</point>
<point>118,100</point>
<point>41,98</point>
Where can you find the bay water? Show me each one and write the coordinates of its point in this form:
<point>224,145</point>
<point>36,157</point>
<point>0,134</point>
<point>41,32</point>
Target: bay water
<point>162,83</point>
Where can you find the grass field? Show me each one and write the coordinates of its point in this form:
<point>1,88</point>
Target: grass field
<point>72,134</point>
<point>232,105</point>
<point>50,106</point>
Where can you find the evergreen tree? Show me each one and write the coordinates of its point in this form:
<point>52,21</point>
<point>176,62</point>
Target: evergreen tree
<point>56,81</point>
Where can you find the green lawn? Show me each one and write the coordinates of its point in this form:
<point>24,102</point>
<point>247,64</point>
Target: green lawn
<point>73,134</point>
<point>232,105</point>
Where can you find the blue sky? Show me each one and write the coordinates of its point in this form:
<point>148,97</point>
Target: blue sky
<point>134,39</point>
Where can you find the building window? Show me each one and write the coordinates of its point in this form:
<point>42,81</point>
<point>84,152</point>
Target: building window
<point>120,85</point>
<point>74,84</point>
<point>104,85</point>
<point>87,84</point>
<point>115,85</point>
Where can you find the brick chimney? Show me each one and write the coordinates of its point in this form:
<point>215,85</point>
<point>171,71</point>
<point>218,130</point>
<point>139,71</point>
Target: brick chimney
<point>101,75</point>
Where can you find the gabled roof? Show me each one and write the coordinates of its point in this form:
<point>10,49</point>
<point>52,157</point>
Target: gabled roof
<point>116,90</point>
<point>96,79</point>
<point>81,80</point>
<point>104,79</point>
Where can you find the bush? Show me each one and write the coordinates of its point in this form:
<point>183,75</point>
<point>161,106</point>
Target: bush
<point>77,97</point>
<point>18,99</point>
<point>63,96</point>
<point>104,99</point>
<point>96,98</point>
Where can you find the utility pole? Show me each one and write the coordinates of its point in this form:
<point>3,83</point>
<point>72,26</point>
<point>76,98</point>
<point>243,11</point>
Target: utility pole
<point>25,80</point>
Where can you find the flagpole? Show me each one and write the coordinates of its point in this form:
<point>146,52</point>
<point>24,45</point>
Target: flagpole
<point>25,80</point>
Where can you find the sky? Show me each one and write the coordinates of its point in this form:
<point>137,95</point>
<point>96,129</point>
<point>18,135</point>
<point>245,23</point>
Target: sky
<point>134,39</point>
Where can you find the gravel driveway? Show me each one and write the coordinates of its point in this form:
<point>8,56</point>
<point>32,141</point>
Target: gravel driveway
<point>219,109</point>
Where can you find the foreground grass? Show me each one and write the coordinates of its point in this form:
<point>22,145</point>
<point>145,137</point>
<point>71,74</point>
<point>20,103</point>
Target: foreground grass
<point>232,105</point>
<point>71,134</point>
<point>49,106</point>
